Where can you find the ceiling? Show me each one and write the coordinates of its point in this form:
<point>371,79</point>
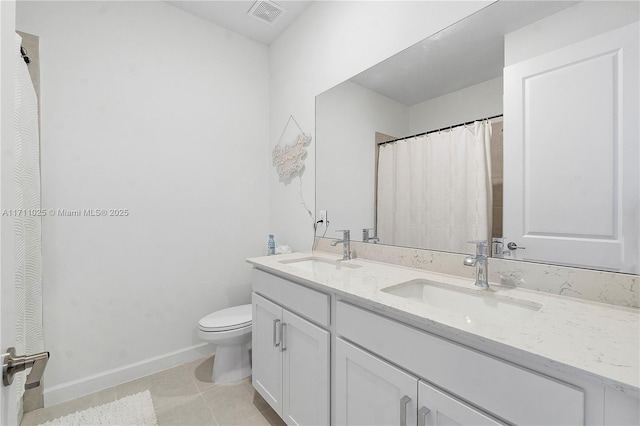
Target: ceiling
<point>467,53</point>
<point>232,15</point>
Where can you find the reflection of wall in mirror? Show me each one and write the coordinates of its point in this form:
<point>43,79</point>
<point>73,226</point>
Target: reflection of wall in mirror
<point>468,104</point>
<point>347,119</point>
<point>576,23</point>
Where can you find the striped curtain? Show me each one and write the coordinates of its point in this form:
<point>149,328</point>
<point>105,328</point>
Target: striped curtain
<point>28,274</point>
<point>434,191</point>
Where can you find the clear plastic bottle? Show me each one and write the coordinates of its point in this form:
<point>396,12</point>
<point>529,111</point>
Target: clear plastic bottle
<point>271,245</point>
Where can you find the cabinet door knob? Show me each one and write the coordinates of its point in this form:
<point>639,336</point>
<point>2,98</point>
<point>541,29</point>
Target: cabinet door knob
<point>403,410</point>
<point>275,326</point>
<point>422,416</point>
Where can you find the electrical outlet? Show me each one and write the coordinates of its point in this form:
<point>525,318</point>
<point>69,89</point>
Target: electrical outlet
<point>323,218</point>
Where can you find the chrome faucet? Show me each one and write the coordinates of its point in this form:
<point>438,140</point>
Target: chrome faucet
<point>480,262</point>
<point>346,253</point>
<point>366,238</point>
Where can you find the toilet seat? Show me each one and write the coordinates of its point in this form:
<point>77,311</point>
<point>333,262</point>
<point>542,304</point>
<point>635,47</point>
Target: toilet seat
<point>228,319</point>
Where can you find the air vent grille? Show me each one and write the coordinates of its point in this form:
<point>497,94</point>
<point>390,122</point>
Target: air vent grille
<point>266,11</point>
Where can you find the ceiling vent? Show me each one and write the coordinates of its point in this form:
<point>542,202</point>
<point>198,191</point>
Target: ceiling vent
<point>266,11</point>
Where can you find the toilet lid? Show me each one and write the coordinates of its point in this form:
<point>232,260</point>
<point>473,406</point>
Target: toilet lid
<point>227,319</point>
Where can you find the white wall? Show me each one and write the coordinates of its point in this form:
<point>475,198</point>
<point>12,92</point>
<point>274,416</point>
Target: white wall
<point>347,118</point>
<point>150,109</point>
<point>328,44</point>
<point>585,19</point>
<point>468,104</point>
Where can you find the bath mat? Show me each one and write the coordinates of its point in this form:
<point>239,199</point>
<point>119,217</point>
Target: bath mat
<point>132,410</point>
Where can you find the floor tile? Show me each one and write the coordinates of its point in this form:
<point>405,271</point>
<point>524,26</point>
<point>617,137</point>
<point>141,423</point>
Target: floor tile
<point>43,415</point>
<point>234,404</point>
<point>200,372</point>
<point>266,418</point>
<point>164,386</point>
<point>188,410</point>
<point>183,395</point>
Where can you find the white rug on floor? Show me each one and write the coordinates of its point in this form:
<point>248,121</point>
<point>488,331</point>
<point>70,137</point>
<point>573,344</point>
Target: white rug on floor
<point>132,410</point>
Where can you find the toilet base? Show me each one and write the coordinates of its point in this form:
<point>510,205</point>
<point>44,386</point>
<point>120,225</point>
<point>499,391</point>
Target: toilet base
<point>231,363</point>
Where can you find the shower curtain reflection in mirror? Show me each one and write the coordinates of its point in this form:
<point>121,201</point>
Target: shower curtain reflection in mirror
<point>435,190</point>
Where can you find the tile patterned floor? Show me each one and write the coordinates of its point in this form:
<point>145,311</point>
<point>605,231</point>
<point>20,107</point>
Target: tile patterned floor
<point>182,395</point>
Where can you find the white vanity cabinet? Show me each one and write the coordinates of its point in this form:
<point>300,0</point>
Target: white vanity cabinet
<point>382,367</point>
<point>371,391</point>
<point>454,379</point>
<point>290,353</point>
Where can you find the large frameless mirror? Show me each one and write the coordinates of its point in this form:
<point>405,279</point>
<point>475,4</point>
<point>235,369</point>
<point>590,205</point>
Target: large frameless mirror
<point>508,126</point>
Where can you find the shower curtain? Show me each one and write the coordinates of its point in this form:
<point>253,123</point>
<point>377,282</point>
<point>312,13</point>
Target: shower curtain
<point>434,191</point>
<point>28,274</point>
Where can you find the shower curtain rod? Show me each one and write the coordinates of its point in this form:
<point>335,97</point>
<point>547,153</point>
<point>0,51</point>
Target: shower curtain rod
<point>439,130</point>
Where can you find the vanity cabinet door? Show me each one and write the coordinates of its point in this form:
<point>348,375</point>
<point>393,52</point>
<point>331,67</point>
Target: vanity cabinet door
<point>370,391</point>
<point>290,363</point>
<point>620,409</point>
<point>440,409</point>
<point>266,356</point>
<point>305,361</point>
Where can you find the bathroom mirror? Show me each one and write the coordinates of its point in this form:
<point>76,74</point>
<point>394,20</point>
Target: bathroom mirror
<point>456,77</point>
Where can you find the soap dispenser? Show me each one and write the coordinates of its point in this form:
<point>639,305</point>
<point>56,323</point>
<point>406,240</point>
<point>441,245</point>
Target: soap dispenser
<point>271,246</point>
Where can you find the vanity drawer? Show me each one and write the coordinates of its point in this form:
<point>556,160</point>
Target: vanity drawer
<point>507,391</point>
<point>305,301</point>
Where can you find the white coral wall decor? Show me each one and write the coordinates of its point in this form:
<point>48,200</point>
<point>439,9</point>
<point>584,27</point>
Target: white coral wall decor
<point>289,159</point>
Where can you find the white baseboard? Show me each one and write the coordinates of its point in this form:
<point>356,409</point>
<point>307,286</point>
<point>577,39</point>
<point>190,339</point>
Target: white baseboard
<point>86,385</point>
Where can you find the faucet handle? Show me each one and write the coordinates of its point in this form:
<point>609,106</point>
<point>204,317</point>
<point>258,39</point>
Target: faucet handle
<point>345,232</point>
<point>481,247</point>
<point>478,242</point>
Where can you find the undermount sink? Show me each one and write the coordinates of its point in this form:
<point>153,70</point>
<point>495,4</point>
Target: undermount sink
<point>319,264</point>
<point>474,305</point>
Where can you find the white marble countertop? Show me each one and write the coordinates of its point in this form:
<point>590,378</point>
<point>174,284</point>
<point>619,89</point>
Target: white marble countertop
<point>602,341</point>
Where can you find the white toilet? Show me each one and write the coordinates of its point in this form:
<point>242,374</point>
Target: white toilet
<point>230,330</point>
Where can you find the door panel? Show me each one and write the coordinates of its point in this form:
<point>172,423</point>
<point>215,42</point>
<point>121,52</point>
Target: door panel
<point>370,391</point>
<point>306,372</point>
<point>441,409</point>
<point>266,357</point>
<point>571,180</point>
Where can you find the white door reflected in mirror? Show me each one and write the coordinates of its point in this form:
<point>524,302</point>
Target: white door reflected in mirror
<point>552,159</point>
